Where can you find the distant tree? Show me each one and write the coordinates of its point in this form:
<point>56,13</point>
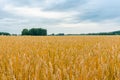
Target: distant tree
<point>14,34</point>
<point>52,34</point>
<point>25,32</point>
<point>35,32</point>
<point>105,33</point>
<point>32,31</point>
<point>4,33</point>
<point>60,34</point>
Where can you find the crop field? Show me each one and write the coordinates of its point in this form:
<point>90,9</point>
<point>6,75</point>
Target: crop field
<point>60,58</point>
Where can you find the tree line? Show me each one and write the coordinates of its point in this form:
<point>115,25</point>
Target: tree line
<point>35,32</point>
<point>104,33</point>
<point>32,32</point>
<point>4,33</point>
<point>43,32</point>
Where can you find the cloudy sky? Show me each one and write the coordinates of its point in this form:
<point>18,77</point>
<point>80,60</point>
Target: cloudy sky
<point>57,16</point>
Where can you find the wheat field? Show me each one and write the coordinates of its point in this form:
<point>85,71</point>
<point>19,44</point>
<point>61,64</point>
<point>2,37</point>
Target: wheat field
<point>60,58</point>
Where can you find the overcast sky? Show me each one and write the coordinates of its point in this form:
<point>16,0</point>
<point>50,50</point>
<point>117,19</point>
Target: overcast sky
<point>57,16</point>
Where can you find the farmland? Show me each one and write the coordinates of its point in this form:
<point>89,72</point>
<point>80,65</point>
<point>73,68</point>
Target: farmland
<point>60,58</point>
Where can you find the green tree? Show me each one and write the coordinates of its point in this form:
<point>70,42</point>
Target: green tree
<point>35,32</point>
<point>38,31</point>
<point>25,32</point>
<point>4,33</point>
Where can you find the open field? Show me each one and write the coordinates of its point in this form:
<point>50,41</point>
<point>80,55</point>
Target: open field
<point>60,58</point>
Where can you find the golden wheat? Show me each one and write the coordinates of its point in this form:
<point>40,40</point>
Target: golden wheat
<point>60,58</point>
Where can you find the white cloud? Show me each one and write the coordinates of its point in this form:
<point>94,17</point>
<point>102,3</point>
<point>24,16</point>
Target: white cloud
<point>35,12</point>
<point>49,2</point>
<point>11,21</point>
<point>61,15</point>
<point>89,27</point>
